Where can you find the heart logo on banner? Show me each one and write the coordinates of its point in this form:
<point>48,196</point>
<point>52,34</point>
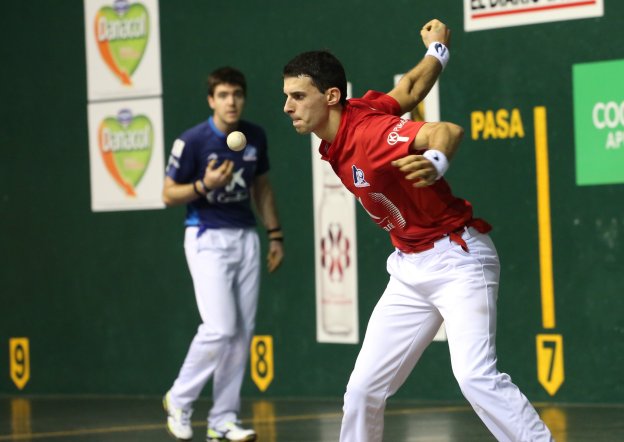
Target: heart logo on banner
<point>125,143</point>
<point>121,33</point>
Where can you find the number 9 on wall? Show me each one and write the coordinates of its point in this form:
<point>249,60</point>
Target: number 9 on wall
<point>19,354</point>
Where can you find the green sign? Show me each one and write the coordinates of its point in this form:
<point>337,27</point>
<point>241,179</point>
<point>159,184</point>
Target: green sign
<point>599,122</point>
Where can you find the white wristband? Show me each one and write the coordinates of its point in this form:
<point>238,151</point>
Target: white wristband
<point>439,160</point>
<point>439,51</point>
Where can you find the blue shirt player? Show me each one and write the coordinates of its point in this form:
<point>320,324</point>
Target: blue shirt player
<point>222,251</point>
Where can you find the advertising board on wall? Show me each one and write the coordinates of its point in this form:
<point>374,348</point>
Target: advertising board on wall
<point>126,154</point>
<point>123,49</point>
<point>599,122</point>
<point>489,14</point>
<point>124,88</point>
<point>335,253</point>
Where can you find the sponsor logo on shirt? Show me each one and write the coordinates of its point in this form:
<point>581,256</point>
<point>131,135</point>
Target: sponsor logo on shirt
<point>237,179</point>
<point>233,197</point>
<point>358,177</point>
<point>394,137</point>
<point>236,190</point>
<point>251,153</point>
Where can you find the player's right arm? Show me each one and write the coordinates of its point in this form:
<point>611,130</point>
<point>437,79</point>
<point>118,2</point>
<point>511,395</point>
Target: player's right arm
<point>175,194</point>
<point>416,84</point>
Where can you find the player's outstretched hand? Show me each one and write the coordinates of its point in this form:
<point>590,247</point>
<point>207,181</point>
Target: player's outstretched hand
<point>216,177</point>
<point>275,256</point>
<point>417,169</point>
<point>435,30</point>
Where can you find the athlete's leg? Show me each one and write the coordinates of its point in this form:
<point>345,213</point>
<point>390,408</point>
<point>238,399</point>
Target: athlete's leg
<point>228,377</point>
<point>401,326</point>
<point>208,261</point>
<point>468,304</point>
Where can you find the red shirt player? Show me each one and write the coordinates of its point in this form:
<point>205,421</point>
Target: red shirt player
<point>445,267</point>
<point>370,137</point>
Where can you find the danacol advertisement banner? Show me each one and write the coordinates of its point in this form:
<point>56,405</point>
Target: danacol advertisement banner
<point>126,154</point>
<point>122,42</point>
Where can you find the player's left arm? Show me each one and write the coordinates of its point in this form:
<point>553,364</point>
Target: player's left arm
<point>264,200</point>
<point>441,141</point>
<point>416,84</point>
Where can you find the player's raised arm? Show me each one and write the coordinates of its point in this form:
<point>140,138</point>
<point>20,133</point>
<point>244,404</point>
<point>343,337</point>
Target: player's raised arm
<point>417,83</point>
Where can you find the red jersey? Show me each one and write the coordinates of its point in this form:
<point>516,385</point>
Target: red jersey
<point>371,135</point>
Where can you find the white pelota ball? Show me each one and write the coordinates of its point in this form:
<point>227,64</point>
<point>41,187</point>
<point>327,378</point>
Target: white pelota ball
<point>236,141</point>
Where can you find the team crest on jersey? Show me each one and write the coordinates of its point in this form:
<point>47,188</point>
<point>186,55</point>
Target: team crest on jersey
<point>358,177</point>
<point>251,153</point>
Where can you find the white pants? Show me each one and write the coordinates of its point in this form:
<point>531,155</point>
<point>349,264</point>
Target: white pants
<point>225,267</point>
<point>442,284</point>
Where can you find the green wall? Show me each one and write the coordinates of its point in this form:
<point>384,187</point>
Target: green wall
<point>105,299</point>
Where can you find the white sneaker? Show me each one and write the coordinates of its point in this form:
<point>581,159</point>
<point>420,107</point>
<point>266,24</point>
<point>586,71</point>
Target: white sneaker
<point>231,431</point>
<point>178,420</point>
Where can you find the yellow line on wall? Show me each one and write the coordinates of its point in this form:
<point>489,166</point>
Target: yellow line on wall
<point>543,216</point>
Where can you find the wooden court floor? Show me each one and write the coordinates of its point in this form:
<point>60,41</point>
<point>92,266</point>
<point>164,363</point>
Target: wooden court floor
<point>127,419</point>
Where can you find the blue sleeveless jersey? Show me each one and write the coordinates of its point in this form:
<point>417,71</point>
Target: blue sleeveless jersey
<point>229,206</point>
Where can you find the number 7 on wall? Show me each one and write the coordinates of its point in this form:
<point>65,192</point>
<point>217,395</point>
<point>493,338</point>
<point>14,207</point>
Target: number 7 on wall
<point>550,370</point>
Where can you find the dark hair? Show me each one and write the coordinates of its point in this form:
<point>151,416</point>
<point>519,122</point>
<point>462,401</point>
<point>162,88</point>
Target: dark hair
<point>226,75</point>
<point>323,68</point>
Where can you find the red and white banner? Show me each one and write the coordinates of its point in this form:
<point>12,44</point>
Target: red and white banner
<point>489,14</point>
<point>335,250</point>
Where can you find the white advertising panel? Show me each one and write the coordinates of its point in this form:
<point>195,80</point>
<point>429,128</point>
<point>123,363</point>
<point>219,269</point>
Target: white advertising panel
<point>126,154</point>
<point>122,42</point>
<point>335,250</point>
<point>489,14</point>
